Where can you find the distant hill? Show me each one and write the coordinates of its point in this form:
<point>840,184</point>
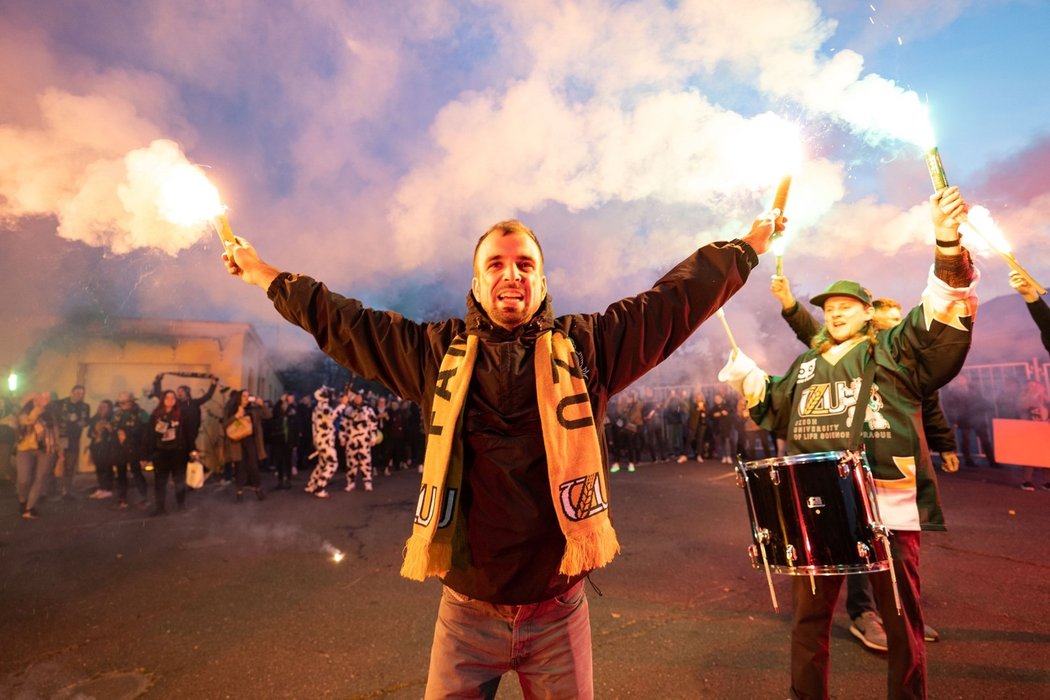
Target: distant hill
<point>1005,332</point>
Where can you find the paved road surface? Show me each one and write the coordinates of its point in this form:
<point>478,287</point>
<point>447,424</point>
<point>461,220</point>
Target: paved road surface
<point>240,600</point>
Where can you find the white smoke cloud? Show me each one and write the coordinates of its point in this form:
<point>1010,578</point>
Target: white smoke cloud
<point>351,139</point>
<point>616,104</point>
<point>98,199</point>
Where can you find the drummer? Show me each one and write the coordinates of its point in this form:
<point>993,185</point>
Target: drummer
<point>813,404</point>
<point>865,624</point>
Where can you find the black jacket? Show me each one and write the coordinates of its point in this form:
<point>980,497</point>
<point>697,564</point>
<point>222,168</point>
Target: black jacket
<point>1040,313</point>
<point>514,541</point>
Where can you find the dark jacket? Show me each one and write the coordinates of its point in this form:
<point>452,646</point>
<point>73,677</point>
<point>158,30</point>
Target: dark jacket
<point>103,440</point>
<point>191,407</point>
<point>513,541</point>
<point>131,423</point>
<point>1040,313</point>
<point>167,433</point>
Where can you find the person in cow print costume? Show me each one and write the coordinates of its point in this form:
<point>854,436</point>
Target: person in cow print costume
<point>357,431</point>
<point>325,414</point>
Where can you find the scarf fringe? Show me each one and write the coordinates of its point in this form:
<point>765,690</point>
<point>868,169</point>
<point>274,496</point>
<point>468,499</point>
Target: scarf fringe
<point>589,550</point>
<point>425,558</point>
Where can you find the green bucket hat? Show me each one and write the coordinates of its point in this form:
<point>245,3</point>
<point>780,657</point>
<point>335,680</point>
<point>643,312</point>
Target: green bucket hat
<point>843,288</point>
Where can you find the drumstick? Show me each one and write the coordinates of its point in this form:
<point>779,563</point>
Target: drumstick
<point>725,324</point>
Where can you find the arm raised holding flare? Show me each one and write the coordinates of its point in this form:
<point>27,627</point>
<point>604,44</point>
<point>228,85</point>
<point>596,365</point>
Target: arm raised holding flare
<point>514,505</point>
<point>243,261</point>
<point>1037,308</point>
<point>816,403</point>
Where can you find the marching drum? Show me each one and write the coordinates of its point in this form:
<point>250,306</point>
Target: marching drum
<point>814,515</point>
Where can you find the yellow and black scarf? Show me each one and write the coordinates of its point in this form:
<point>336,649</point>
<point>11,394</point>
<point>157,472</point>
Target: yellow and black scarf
<point>574,462</point>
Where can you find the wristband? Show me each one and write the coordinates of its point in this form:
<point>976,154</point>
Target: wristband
<point>948,244</point>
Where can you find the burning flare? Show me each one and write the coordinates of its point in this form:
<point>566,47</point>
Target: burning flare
<point>336,555</point>
<point>187,197</point>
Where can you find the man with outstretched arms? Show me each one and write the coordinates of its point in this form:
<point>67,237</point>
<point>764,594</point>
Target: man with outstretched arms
<point>514,508</point>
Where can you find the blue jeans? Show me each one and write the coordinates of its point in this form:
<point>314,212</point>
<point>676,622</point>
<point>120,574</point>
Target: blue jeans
<point>547,644</point>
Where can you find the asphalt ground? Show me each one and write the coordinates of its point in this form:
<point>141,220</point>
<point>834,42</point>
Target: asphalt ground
<point>231,600</point>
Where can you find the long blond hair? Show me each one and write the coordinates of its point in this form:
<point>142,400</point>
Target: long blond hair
<point>823,341</point>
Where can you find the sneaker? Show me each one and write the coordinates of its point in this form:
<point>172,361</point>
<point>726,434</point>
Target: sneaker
<point>260,494</point>
<point>101,494</point>
<point>682,459</point>
<point>868,629</point>
<point>350,486</point>
<point>322,494</point>
<point>700,459</point>
<point>29,514</point>
<point>1027,486</point>
<point>630,466</point>
<point>615,468</point>
<point>386,471</point>
<point>123,505</point>
<point>1046,486</point>
<point>368,486</point>
<point>930,634</point>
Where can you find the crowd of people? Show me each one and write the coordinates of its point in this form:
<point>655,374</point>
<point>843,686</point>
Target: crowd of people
<point>44,441</point>
<point>513,508</point>
<point>374,432</point>
<point>680,424</point>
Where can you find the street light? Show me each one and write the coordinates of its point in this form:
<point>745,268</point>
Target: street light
<point>12,382</point>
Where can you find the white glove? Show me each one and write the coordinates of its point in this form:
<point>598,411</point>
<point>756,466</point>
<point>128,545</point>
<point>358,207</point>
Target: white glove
<point>745,376</point>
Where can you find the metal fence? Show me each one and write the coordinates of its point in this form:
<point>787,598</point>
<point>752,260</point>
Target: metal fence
<point>1002,383</point>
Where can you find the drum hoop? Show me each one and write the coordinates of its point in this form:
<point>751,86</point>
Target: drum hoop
<point>829,456</point>
<point>829,570</point>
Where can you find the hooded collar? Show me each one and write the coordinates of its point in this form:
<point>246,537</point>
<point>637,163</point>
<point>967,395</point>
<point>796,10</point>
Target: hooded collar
<point>479,323</point>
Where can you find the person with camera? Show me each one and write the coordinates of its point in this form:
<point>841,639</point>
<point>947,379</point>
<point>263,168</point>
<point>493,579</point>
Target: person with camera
<point>129,422</point>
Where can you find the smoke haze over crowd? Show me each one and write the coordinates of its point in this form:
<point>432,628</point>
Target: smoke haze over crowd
<point>369,144</point>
